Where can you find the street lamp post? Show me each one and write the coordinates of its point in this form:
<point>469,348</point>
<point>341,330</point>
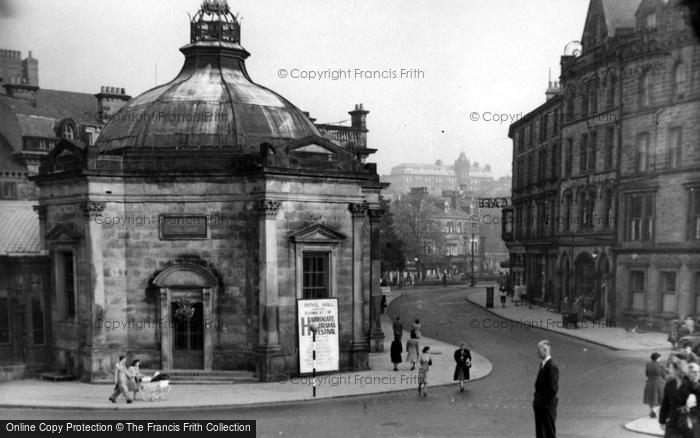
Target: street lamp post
<point>473,250</point>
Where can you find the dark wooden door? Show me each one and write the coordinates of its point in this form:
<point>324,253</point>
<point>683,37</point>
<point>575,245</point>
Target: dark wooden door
<point>188,339</point>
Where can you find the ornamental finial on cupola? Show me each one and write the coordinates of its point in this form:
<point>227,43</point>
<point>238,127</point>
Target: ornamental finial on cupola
<point>215,22</point>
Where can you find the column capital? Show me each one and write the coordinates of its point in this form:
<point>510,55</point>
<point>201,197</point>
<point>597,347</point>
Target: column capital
<point>92,208</point>
<point>267,208</point>
<point>41,211</point>
<point>375,214</point>
<point>358,210</point>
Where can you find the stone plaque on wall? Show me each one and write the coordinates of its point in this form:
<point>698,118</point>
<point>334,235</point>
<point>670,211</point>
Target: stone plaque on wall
<point>179,226</point>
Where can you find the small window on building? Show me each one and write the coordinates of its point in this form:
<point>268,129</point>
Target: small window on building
<point>568,161</point>
<point>609,147</point>
<point>668,292</point>
<point>695,213</point>
<point>637,291</point>
<point>640,219</point>
<point>68,131</point>
<point>583,154</point>
<point>696,285</point>
<point>650,21</point>
<point>4,321</point>
<point>66,284</point>
<point>679,80</point>
<point>641,158</point>
<point>37,322</point>
<point>674,147</point>
<point>316,274</point>
<point>593,152</point>
<point>612,84</point>
<point>568,210</point>
<point>644,97</point>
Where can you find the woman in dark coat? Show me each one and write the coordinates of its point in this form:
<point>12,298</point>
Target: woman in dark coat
<point>676,393</point>
<point>463,359</point>
<point>654,388</point>
<point>396,350</point>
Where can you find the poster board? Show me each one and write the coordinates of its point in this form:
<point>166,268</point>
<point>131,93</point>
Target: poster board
<point>324,313</point>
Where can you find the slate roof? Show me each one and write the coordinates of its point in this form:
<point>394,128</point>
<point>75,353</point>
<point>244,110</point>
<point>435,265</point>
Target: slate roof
<point>52,106</point>
<point>19,229</point>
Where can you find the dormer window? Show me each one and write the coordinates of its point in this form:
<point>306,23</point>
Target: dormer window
<point>66,130</point>
<point>650,21</point>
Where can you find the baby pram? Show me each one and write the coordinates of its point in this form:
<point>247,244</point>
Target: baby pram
<point>154,388</point>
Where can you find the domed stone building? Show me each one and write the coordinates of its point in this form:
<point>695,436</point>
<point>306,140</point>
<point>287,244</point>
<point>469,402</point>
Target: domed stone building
<point>207,207</point>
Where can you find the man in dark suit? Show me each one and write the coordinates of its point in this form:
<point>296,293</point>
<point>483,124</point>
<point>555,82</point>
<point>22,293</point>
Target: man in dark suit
<point>546,388</point>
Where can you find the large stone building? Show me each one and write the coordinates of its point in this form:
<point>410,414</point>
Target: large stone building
<point>436,178</point>
<point>628,169</point>
<point>197,220</point>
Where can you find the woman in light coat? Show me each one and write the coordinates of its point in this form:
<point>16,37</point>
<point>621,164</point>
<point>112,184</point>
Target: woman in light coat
<point>412,350</point>
<point>424,362</point>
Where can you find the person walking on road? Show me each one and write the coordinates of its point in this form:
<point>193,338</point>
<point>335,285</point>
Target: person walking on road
<point>121,381</point>
<point>676,393</point>
<point>424,363</point>
<point>396,351</point>
<point>416,328</point>
<point>398,327</point>
<point>463,359</point>
<point>546,388</point>
<point>412,350</point>
<point>654,388</point>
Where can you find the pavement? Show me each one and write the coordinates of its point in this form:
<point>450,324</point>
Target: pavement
<point>616,338</point>
<point>33,393</point>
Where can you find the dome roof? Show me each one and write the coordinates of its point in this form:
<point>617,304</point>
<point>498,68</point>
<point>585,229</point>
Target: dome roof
<point>211,103</point>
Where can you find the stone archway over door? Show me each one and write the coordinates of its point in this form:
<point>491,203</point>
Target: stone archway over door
<point>185,340</point>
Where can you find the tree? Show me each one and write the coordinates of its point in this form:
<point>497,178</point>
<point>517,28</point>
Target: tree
<point>416,226</point>
<point>392,247</point>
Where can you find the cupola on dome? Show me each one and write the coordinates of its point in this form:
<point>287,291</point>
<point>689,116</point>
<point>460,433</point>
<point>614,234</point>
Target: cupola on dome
<point>212,103</point>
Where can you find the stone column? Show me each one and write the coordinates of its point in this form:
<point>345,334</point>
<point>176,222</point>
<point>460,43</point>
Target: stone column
<point>166,332</point>
<point>360,344</point>
<point>208,329</point>
<point>270,356</point>
<point>376,334</point>
<point>94,336</point>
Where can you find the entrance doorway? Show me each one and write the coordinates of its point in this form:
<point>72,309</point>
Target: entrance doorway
<point>188,338</point>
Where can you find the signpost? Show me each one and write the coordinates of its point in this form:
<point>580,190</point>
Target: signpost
<point>319,348</point>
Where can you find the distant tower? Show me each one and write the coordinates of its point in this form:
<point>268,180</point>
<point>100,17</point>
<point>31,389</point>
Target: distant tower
<point>462,171</point>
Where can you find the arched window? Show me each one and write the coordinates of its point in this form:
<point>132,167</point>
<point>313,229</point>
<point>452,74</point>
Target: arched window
<point>644,89</point>
<point>679,80</point>
<point>584,100</point>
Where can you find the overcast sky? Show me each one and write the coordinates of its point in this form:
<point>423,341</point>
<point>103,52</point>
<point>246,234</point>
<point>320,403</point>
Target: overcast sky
<point>475,56</point>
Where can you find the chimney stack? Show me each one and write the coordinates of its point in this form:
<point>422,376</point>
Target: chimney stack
<point>359,123</point>
<point>110,100</point>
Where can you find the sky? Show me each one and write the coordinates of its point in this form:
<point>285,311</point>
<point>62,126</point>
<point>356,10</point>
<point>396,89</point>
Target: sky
<point>465,62</point>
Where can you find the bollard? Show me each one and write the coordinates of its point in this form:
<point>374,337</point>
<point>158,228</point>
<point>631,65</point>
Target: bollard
<point>489,297</point>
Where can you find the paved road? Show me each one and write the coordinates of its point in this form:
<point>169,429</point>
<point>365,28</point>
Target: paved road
<point>600,389</point>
